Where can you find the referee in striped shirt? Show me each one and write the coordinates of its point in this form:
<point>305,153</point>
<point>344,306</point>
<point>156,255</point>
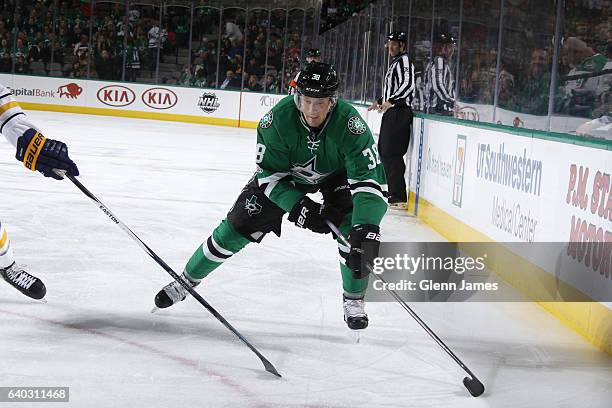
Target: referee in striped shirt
<point>395,104</point>
<point>439,78</point>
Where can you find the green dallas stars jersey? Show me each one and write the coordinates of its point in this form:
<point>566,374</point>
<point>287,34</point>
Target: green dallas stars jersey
<point>288,156</point>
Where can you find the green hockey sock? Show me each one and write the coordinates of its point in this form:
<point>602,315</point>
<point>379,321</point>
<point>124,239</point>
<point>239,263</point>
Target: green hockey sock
<point>219,247</point>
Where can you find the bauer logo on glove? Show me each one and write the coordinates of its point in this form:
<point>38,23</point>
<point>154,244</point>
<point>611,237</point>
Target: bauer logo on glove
<point>41,154</point>
<point>33,151</point>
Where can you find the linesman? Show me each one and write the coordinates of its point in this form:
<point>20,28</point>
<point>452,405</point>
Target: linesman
<point>395,104</point>
<point>440,82</point>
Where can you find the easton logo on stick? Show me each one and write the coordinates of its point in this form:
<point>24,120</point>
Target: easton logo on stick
<point>110,215</point>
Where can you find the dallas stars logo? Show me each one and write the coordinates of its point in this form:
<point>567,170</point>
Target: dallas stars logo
<point>252,206</point>
<point>308,172</point>
<point>266,121</point>
<point>356,125</point>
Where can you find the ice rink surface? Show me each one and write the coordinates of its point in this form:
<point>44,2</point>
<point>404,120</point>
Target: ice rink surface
<point>172,183</point>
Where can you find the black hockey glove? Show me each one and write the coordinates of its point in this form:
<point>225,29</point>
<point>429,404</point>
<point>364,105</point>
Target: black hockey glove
<point>310,215</point>
<point>359,257</point>
<point>42,154</point>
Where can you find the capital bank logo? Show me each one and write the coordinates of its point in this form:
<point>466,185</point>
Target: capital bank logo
<point>116,96</point>
<point>159,98</point>
<point>270,101</point>
<point>71,90</point>
<point>467,112</point>
<point>208,102</point>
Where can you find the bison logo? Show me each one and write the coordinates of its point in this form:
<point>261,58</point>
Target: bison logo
<point>70,91</point>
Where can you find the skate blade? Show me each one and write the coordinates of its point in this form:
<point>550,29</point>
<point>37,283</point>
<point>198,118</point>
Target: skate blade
<point>43,301</point>
<point>155,309</point>
<point>355,335</point>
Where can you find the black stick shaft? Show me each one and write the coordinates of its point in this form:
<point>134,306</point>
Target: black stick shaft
<point>267,365</point>
<point>408,309</point>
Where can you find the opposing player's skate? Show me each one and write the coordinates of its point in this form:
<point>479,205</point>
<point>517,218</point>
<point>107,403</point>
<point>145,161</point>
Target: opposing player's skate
<point>27,284</point>
<point>173,292</point>
<point>354,313</point>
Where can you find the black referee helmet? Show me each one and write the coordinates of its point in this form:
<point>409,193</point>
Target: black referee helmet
<point>444,38</point>
<point>399,36</point>
<point>313,53</point>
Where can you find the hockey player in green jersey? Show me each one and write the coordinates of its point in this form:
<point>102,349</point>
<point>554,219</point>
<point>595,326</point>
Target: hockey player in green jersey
<point>309,142</point>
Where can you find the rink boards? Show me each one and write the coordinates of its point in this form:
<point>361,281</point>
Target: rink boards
<point>478,182</point>
<point>482,184</point>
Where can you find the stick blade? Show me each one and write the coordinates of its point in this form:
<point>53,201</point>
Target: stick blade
<point>270,368</point>
<point>474,386</point>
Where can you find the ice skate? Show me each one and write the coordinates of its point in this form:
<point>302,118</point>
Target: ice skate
<point>398,205</point>
<point>27,284</point>
<point>354,313</point>
<point>173,292</point>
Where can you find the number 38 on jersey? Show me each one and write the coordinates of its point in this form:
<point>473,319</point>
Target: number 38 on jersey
<point>372,154</point>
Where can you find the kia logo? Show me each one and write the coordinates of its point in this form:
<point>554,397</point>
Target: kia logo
<point>159,98</point>
<point>116,96</point>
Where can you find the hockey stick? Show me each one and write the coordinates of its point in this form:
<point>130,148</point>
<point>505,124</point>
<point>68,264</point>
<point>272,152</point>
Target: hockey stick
<point>418,180</point>
<point>267,365</point>
<point>473,384</point>
<point>410,152</point>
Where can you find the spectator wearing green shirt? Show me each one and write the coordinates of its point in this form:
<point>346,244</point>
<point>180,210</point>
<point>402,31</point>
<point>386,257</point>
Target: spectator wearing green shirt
<point>21,48</point>
<point>534,90</point>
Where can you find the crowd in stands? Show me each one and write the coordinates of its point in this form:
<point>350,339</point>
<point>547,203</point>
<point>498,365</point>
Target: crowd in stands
<point>49,38</point>
<point>262,51</point>
<point>254,54</point>
<point>334,12</point>
<point>55,39</point>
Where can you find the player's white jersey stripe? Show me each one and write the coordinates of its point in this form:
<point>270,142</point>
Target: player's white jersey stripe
<point>219,248</point>
<point>209,255</point>
<point>213,250</point>
<point>370,190</point>
<point>383,187</point>
<point>6,96</point>
<point>275,177</point>
<point>269,188</point>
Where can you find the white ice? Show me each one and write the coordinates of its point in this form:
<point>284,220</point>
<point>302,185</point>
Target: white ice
<point>172,183</point>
